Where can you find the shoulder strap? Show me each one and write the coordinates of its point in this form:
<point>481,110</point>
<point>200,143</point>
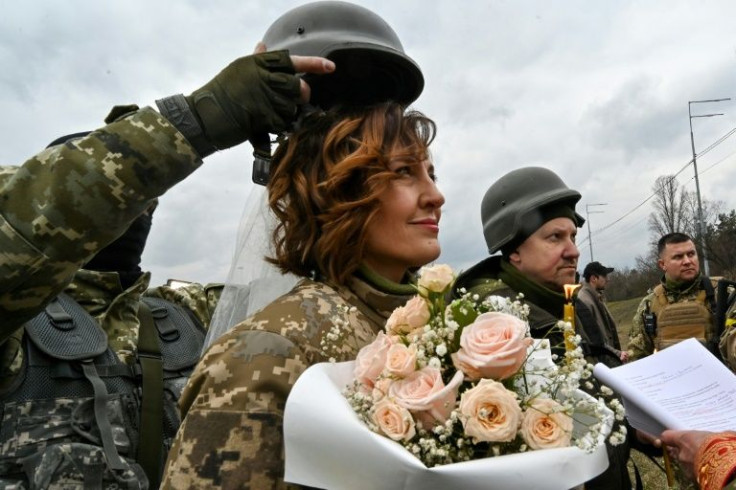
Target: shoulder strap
<point>710,293</point>
<point>659,300</point>
<point>150,450</point>
<point>64,330</point>
<point>180,334</point>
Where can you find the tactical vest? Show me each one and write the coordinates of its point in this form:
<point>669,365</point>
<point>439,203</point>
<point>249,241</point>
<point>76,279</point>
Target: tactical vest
<point>78,417</point>
<point>685,319</point>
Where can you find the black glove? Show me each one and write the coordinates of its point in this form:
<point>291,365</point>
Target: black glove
<point>253,95</point>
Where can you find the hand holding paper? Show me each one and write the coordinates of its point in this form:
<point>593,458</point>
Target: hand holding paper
<point>681,387</point>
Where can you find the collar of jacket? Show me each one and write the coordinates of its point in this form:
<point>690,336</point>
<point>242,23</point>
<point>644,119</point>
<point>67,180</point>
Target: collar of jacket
<point>378,293</point>
<point>97,291</point>
<point>680,288</point>
<point>550,301</point>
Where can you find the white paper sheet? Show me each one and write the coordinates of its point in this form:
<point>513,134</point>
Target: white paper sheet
<point>328,447</point>
<point>681,387</point>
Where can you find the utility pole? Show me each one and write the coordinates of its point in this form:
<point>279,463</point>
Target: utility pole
<point>587,220</point>
<point>701,224</point>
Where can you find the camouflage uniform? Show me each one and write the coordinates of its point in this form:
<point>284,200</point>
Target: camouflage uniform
<point>641,344</point>
<point>69,201</point>
<point>496,276</point>
<point>727,343</point>
<point>116,311</point>
<point>231,436</point>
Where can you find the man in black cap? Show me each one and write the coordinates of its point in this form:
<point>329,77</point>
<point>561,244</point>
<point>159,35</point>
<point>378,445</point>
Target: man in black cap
<point>597,322</point>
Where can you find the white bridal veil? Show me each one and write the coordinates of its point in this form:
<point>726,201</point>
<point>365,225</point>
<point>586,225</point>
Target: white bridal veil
<point>252,282</point>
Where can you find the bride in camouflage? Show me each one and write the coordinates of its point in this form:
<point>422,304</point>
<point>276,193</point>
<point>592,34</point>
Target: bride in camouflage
<point>358,210</point>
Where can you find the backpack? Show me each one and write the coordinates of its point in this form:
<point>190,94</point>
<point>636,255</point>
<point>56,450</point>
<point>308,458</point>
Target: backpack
<point>78,417</point>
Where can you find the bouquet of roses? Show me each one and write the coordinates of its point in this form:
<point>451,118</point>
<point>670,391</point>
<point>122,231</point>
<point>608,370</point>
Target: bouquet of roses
<point>455,382</point>
<point>453,394</point>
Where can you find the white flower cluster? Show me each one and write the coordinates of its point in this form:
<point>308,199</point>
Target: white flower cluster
<point>333,340</point>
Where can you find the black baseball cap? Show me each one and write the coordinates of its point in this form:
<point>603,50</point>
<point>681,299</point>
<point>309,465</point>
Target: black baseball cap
<point>596,269</point>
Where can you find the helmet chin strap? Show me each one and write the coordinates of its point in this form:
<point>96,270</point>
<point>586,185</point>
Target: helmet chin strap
<point>262,146</point>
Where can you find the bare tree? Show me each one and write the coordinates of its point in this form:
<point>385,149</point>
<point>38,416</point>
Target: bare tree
<point>671,210</point>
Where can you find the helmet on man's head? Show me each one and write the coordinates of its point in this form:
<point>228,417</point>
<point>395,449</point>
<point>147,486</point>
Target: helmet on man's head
<point>520,202</point>
<point>371,65</point>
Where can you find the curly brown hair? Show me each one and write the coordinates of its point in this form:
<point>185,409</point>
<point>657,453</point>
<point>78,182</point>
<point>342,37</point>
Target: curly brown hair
<point>326,180</point>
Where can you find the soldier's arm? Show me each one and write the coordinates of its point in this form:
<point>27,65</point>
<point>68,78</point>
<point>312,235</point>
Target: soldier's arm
<point>67,202</point>
<point>640,343</point>
<point>232,432</point>
<point>727,343</point>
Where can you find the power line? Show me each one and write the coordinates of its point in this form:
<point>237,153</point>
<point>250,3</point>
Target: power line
<point>708,149</point>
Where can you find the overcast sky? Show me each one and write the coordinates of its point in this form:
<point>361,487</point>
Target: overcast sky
<point>597,91</point>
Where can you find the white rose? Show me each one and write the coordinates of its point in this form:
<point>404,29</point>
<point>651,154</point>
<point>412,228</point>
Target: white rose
<point>435,278</point>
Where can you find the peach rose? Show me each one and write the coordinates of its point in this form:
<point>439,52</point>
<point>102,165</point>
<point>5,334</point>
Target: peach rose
<point>393,420</point>
<point>490,412</point>
<point>435,278</point>
<point>546,425</point>
<point>405,319</point>
<point>493,346</point>
<point>425,395</point>
<point>401,360</point>
<point>371,360</point>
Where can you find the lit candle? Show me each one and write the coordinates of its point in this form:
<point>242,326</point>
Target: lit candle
<point>569,315</point>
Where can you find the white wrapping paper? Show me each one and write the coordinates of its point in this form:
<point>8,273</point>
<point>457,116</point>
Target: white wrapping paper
<point>327,446</point>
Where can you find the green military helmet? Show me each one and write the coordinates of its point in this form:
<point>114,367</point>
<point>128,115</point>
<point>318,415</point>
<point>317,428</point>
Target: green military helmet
<point>521,201</point>
<point>371,65</point>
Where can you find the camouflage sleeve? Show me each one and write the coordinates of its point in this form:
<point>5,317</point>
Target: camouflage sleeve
<point>231,436</point>
<point>727,344</point>
<point>233,405</point>
<point>200,299</point>
<point>641,344</point>
<point>67,202</point>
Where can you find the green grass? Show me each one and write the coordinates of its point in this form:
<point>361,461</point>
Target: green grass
<point>653,478</point>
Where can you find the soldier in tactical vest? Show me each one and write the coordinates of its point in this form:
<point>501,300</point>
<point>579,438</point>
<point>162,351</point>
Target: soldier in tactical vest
<point>529,216</point>
<point>681,306</point>
<point>90,378</point>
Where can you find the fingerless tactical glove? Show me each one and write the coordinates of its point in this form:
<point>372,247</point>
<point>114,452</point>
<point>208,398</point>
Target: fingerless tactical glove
<point>253,95</point>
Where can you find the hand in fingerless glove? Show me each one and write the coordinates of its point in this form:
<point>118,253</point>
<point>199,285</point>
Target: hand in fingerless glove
<point>253,95</point>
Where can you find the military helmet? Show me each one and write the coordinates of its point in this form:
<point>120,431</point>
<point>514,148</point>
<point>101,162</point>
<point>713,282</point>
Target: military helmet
<point>371,63</point>
<point>513,207</point>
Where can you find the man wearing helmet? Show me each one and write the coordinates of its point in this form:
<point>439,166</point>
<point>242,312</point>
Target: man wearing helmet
<point>529,216</point>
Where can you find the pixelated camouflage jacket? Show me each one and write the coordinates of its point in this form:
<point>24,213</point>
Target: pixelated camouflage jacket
<point>231,436</point>
<point>26,439</point>
<point>116,311</point>
<point>495,276</point>
<point>61,206</point>
<point>641,344</point>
